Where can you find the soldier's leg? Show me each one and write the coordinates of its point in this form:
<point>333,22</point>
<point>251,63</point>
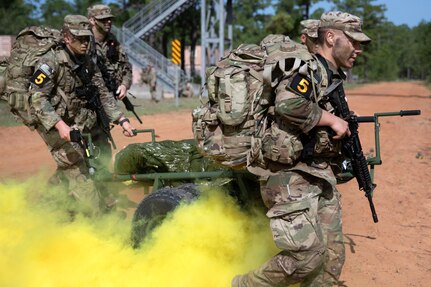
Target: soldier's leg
<point>102,162</point>
<point>73,172</point>
<point>103,150</point>
<point>293,201</point>
<point>330,213</point>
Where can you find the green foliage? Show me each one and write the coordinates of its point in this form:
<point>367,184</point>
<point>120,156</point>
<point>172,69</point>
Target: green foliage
<point>16,15</point>
<point>250,18</point>
<point>53,12</point>
<point>281,23</point>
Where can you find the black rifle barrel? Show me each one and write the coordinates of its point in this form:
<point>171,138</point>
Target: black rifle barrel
<point>402,113</point>
<point>352,145</point>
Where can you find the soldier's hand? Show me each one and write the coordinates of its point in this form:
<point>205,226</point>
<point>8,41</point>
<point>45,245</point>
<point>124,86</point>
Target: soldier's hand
<point>64,130</point>
<point>338,125</point>
<point>341,128</point>
<point>121,92</point>
<point>127,127</point>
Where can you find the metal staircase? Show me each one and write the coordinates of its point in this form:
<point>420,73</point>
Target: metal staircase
<point>155,15</point>
<point>141,54</point>
<point>149,20</point>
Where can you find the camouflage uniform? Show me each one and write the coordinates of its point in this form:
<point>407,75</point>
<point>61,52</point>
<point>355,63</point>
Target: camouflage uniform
<point>110,52</point>
<point>303,202</point>
<point>151,81</point>
<point>116,70</point>
<point>310,27</point>
<point>53,98</point>
<point>309,34</point>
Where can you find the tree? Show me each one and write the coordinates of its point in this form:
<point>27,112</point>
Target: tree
<point>16,15</point>
<point>54,11</point>
<point>249,20</point>
<point>373,19</point>
<point>421,51</point>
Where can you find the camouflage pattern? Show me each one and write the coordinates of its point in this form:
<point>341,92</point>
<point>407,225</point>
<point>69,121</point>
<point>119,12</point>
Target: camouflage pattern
<point>99,11</point>
<point>78,25</point>
<point>351,25</point>
<point>304,205</point>
<point>310,27</point>
<point>231,126</point>
<point>53,98</point>
<point>31,43</point>
<point>330,219</point>
<point>305,219</point>
<point>115,59</point>
<point>57,99</point>
<point>72,173</point>
<point>149,77</point>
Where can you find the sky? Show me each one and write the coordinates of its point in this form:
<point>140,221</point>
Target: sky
<point>399,12</point>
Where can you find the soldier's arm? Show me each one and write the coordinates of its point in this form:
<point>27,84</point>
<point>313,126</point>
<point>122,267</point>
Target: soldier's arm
<point>110,106</point>
<point>42,91</point>
<point>107,99</point>
<point>126,74</point>
<point>337,124</point>
<point>126,69</point>
<point>295,108</point>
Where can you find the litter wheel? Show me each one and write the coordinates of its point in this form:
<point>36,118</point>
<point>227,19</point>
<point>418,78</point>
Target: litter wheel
<point>154,208</point>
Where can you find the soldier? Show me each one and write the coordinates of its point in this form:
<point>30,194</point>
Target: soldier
<point>114,66</point>
<point>117,70</point>
<point>62,99</point>
<point>309,34</point>
<point>149,77</point>
<point>303,202</point>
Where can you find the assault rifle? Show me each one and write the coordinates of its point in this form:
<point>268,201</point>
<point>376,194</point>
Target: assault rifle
<point>90,92</point>
<point>112,86</point>
<point>352,145</point>
<point>87,146</point>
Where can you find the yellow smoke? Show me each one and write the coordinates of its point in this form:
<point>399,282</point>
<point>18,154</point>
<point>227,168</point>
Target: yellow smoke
<point>203,244</point>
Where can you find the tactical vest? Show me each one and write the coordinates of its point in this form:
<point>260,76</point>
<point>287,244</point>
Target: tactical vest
<point>66,102</point>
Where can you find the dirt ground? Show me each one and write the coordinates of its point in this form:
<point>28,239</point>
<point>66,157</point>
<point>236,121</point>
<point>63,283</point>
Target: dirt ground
<point>394,252</point>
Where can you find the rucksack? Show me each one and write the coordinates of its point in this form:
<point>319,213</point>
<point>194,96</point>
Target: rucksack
<point>31,43</point>
<point>234,124</point>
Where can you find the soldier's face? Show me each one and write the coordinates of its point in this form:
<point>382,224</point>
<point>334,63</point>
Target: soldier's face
<point>345,50</point>
<point>104,25</point>
<point>77,44</point>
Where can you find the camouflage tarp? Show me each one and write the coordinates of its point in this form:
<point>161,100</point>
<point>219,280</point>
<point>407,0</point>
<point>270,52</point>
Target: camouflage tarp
<point>163,156</point>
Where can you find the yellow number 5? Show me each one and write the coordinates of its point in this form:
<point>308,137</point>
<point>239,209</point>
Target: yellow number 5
<point>303,86</point>
<point>39,79</point>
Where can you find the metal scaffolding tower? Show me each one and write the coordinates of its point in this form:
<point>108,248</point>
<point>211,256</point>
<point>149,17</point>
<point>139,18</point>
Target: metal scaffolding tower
<point>216,17</point>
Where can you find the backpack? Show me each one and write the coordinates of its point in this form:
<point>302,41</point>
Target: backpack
<point>235,124</point>
<point>31,43</point>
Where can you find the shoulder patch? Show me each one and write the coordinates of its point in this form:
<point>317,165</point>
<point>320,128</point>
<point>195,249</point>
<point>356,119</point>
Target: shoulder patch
<point>41,76</point>
<point>301,85</point>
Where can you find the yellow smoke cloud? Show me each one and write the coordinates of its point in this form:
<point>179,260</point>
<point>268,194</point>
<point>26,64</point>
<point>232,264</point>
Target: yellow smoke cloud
<point>205,243</point>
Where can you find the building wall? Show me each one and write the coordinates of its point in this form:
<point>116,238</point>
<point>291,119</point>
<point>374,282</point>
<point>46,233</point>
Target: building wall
<point>6,43</point>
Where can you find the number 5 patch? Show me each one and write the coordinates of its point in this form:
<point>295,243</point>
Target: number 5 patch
<point>39,78</point>
<point>301,85</point>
